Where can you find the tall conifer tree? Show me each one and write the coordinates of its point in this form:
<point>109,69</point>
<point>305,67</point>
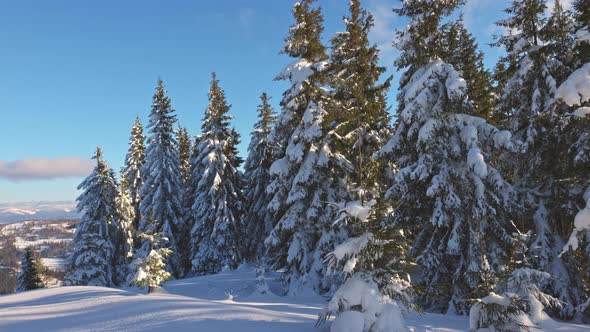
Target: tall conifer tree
<point>359,101</point>
<point>541,58</point>
<point>161,192</point>
<point>184,151</point>
<point>302,181</point>
<point>464,54</point>
<point>29,277</point>
<point>131,175</point>
<point>445,194</point>
<point>91,263</point>
<point>258,222</point>
<point>214,190</point>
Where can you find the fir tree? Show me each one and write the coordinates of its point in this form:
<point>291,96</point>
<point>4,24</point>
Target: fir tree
<point>184,151</point>
<point>375,263</point>
<point>358,104</point>
<point>123,239</point>
<point>427,40</point>
<point>464,54</point>
<point>570,138</point>
<point>214,191</point>
<point>150,260</point>
<point>541,49</point>
<point>91,263</point>
<point>29,277</point>
<point>374,258</point>
<point>557,42</point>
<point>257,220</point>
<point>302,181</point>
<point>581,32</point>
<point>131,174</point>
<point>445,193</point>
<point>529,87</point>
<point>161,192</point>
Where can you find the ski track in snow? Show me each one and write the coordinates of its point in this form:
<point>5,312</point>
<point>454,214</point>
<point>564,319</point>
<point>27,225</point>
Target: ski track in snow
<point>196,304</point>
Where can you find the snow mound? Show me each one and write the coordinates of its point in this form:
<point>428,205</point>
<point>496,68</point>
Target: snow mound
<point>576,89</point>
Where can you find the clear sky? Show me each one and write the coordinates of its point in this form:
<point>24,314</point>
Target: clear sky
<point>75,74</point>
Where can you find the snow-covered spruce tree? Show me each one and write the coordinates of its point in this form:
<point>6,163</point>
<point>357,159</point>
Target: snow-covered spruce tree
<point>119,229</point>
<point>445,194</point>
<point>214,190</point>
<point>463,53</point>
<point>572,132</point>
<point>124,233</point>
<point>91,262</point>
<point>558,42</point>
<point>28,278</point>
<point>149,264</point>
<point>581,32</point>
<point>257,220</point>
<point>541,57</point>
<point>529,87</point>
<point>517,302</point>
<point>161,192</point>
<point>500,313</point>
<point>132,175</point>
<point>184,151</point>
<point>375,263</point>
<point>358,105</point>
<point>303,177</point>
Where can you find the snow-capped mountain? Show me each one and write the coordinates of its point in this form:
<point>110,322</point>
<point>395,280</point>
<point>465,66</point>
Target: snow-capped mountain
<point>43,210</point>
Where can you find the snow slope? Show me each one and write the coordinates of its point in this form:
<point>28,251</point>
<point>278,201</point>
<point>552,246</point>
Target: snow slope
<point>197,304</point>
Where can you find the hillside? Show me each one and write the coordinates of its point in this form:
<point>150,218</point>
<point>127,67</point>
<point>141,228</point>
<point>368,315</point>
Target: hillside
<point>196,304</point>
<point>51,240</point>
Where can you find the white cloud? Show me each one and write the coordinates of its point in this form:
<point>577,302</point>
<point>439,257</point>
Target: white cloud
<point>45,168</point>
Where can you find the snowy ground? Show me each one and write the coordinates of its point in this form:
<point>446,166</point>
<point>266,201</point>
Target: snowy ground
<point>197,304</point>
<point>55,264</point>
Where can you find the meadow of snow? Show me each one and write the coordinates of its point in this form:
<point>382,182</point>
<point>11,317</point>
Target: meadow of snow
<point>221,302</point>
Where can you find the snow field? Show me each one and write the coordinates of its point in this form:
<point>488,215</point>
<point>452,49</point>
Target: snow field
<point>196,304</point>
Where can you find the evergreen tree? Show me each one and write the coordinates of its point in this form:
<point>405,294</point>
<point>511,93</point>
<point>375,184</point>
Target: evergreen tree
<point>376,265</point>
<point>29,277</point>
<point>529,88</point>
<point>91,263</point>
<point>257,220</point>
<point>358,104</point>
<point>302,181</point>
<point>123,238</point>
<point>464,54</point>
<point>150,260</point>
<point>541,49</point>
<point>184,151</point>
<point>132,175</point>
<point>161,192</point>
<point>582,32</point>
<point>374,258</point>
<point>214,191</point>
<point>445,193</point>
<point>557,42</point>
<point>571,147</point>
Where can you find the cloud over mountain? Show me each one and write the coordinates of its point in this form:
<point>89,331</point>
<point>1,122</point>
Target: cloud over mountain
<point>45,168</point>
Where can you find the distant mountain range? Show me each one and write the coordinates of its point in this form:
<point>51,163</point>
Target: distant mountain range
<point>43,210</point>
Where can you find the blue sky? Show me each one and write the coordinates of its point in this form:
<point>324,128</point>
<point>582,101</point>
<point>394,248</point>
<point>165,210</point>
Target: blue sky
<point>75,74</point>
